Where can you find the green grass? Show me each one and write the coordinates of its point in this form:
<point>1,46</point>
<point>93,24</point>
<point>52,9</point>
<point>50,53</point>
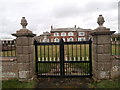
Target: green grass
<point>32,84</point>
<point>105,84</point>
<point>17,84</point>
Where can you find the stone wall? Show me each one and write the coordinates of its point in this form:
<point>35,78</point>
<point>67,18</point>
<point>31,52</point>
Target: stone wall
<point>9,68</point>
<point>115,66</point>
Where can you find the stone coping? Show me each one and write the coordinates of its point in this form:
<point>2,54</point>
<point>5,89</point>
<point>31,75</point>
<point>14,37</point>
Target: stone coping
<point>116,57</point>
<point>101,32</point>
<point>24,34</point>
<point>7,59</point>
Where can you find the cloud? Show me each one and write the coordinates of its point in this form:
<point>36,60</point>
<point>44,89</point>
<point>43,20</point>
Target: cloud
<point>59,13</point>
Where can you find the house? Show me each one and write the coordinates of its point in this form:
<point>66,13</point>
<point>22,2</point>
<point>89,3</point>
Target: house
<point>45,37</point>
<point>67,34</point>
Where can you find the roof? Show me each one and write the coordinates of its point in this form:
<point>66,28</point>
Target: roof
<point>68,29</point>
<point>45,34</point>
<point>63,29</point>
<point>80,29</point>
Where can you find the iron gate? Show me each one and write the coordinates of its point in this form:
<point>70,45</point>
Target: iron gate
<point>63,59</point>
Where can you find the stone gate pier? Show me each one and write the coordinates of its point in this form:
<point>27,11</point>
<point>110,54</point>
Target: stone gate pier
<point>25,52</point>
<point>102,62</point>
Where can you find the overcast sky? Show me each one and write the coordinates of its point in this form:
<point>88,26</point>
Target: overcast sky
<point>41,14</point>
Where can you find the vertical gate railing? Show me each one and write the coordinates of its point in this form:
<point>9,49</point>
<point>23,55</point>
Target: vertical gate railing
<point>36,56</point>
<point>62,73</point>
<point>63,59</point>
<point>8,48</point>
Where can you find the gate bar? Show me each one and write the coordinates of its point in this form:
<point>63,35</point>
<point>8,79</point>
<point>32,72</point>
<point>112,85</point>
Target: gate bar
<point>90,55</point>
<point>62,73</point>
<point>36,56</point>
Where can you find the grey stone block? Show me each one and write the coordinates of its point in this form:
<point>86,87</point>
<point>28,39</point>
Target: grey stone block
<point>103,75</point>
<point>22,41</point>
<point>115,74</point>
<point>31,40</point>
<point>10,66</point>
<point>26,74</point>
<point>19,41</point>
<point>103,66</point>
<point>107,66</point>
<point>24,66</point>
<point>23,58</point>
<point>107,48</point>
<point>19,49</point>
<point>101,39</point>
<point>103,57</point>
<point>28,49</point>
<point>100,49</point>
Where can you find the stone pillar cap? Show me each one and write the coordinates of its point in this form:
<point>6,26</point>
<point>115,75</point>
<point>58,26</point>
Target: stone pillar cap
<point>103,32</point>
<point>24,31</point>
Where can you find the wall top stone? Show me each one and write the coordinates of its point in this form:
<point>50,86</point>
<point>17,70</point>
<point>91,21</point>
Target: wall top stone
<point>8,59</point>
<point>116,57</point>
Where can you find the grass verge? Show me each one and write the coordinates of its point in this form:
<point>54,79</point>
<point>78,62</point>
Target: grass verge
<point>18,84</point>
<point>105,84</point>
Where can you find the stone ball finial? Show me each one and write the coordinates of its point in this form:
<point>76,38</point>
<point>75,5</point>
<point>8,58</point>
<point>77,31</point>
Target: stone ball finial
<point>100,20</point>
<point>23,22</point>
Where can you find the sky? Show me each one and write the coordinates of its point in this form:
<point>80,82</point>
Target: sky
<point>41,14</point>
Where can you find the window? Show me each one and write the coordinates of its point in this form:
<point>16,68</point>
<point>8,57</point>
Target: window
<point>56,34</point>
<point>70,34</point>
<point>63,34</point>
<point>81,39</point>
<point>81,33</point>
<point>70,39</point>
<point>56,40</point>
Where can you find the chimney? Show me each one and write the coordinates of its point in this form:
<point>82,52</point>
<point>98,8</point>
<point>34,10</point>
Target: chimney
<point>51,27</point>
<point>75,26</point>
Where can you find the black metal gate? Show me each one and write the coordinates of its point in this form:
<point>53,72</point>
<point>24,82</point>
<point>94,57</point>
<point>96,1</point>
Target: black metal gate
<point>63,59</point>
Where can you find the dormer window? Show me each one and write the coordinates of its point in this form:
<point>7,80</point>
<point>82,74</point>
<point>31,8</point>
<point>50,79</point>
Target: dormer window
<point>63,34</point>
<point>56,34</point>
<point>70,34</point>
<point>81,33</point>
